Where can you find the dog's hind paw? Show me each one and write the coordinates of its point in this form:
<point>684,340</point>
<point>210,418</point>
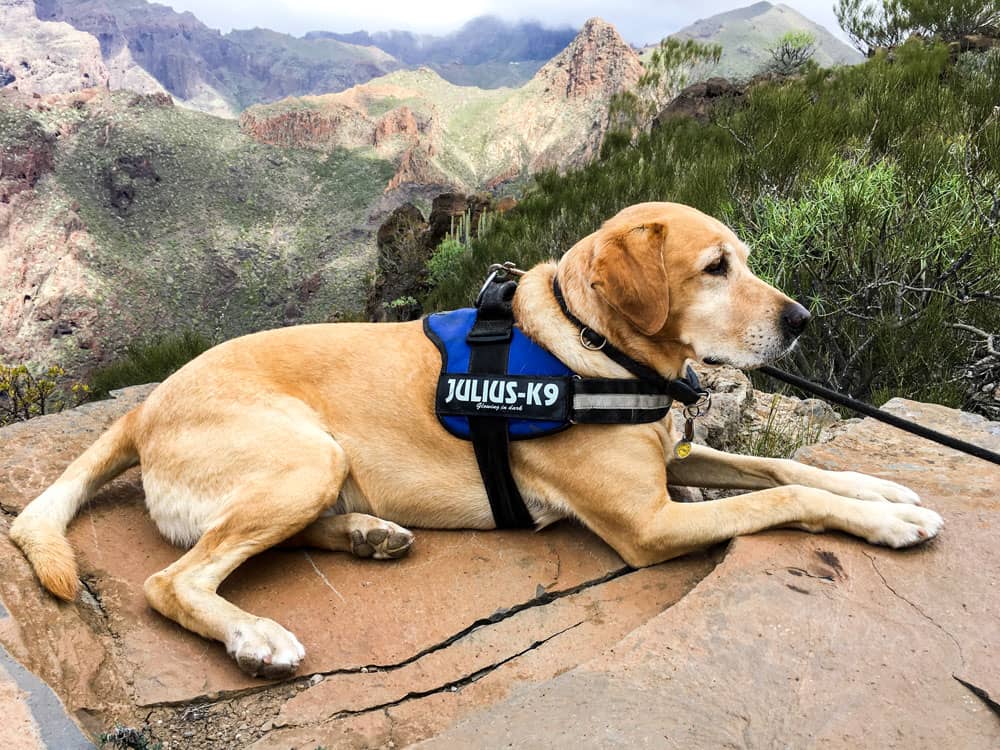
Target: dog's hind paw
<point>383,541</point>
<point>263,648</point>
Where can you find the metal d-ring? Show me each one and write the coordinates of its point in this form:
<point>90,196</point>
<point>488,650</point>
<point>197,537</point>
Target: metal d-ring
<point>489,280</point>
<point>588,344</point>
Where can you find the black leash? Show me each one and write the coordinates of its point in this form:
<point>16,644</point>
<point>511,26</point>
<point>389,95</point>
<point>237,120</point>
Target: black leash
<point>883,416</point>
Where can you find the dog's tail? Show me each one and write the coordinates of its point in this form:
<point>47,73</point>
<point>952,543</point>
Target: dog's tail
<point>40,529</point>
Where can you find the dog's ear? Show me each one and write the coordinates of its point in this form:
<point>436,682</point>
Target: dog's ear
<point>629,273</point>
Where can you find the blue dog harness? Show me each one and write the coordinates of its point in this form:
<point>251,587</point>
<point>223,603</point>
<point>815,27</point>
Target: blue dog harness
<point>497,385</point>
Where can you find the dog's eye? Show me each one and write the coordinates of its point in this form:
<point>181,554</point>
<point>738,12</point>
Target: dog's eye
<point>718,267</point>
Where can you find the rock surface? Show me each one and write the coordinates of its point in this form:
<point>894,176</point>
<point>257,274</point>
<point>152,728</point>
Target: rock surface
<point>699,100</point>
<point>806,641</point>
<point>539,639</point>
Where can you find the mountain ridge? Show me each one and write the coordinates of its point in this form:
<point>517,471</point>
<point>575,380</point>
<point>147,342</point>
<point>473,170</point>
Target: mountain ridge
<point>470,138</point>
<point>746,34</point>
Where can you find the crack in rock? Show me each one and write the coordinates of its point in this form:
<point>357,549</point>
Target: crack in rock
<point>458,683</point>
<point>916,608</point>
<point>540,599</point>
<point>91,595</point>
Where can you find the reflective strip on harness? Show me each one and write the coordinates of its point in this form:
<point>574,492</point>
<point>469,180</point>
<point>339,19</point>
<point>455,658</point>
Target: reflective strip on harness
<point>620,401</point>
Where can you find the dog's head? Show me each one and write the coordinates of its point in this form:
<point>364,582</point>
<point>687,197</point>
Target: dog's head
<point>680,279</point>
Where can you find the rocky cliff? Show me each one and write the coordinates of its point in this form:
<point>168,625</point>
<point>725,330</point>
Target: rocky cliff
<point>596,64</point>
<point>213,72</point>
<point>46,57</point>
<point>466,137</point>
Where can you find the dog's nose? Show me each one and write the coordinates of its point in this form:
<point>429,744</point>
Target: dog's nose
<point>794,318</point>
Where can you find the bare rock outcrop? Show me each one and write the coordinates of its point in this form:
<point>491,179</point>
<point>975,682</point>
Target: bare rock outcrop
<point>46,57</point>
<point>24,157</point>
<point>596,63</point>
<point>406,241</point>
<point>699,100</point>
<point>307,126</point>
<point>416,167</point>
<point>400,121</point>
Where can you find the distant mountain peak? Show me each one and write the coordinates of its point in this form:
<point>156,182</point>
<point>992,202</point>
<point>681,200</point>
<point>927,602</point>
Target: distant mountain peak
<point>747,33</point>
<point>597,63</point>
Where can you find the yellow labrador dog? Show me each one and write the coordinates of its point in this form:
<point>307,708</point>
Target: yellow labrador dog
<point>297,436</point>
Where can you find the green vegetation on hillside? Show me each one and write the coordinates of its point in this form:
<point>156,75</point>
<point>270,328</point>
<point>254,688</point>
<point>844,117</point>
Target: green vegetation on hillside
<point>189,224</point>
<point>874,24</point>
<point>870,193</point>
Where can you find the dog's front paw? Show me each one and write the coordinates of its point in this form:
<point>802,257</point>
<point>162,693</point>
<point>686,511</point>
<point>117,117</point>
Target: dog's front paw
<point>901,525</point>
<point>864,487</point>
<point>263,648</point>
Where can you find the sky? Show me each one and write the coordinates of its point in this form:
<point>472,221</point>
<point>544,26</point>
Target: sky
<point>639,22</point>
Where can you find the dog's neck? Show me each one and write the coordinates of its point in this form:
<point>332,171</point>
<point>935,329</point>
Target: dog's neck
<point>538,314</point>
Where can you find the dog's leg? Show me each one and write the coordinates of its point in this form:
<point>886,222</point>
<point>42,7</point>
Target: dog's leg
<point>358,533</point>
<point>287,491</point>
<point>706,467</point>
<point>644,533</point>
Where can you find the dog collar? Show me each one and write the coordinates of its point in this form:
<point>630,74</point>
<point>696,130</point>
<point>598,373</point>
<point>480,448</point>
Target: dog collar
<point>687,390</point>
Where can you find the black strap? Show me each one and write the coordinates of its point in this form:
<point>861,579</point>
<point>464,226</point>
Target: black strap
<point>618,401</point>
<point>687,390</point>
<point>489,345</point>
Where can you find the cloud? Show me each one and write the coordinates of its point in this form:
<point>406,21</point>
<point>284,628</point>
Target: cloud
<point>638,22</point>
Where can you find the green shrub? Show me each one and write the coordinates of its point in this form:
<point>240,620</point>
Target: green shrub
<point>445,260</point>
<point>872,24</point>
<point>871,192</point>
<point>25,394</point>
<point>149,362</point>
<point>791,52</point>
